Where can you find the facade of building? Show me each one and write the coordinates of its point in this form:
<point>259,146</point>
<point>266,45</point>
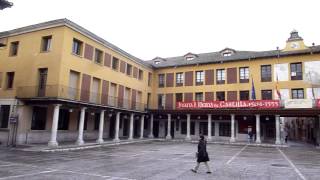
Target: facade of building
<point>60,82</point>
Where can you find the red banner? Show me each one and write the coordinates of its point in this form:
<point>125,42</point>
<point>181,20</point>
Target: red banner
<point>318,103</point>
<point>259,104</point>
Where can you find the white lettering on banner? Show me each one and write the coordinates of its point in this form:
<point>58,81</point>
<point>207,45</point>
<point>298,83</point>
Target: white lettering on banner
<point>297,103</point>
<point>266,104</point>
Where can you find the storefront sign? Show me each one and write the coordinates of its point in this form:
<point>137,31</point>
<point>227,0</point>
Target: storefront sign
<point>318,103</point>
<point>259,104</point>
<point>297,103</point>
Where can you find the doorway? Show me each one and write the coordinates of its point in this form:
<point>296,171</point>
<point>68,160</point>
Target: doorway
<point>43,72</point>
<point>156,129</point>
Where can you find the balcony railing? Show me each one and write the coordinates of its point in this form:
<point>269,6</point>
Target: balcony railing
<point>65,92</point>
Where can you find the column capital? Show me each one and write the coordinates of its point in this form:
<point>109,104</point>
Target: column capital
<point>188,115</point>
<point>61,105</point>
<point>277,115</point>
<point>209,115</point>
<point>232,114</point>
<point>102,111</point>
<point>118,112</point>
<point>257,115</point>
<point>84,108</point>
<point>169,115</point>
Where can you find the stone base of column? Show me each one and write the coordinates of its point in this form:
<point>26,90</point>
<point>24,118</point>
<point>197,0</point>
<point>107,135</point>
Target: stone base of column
<point>151,136</point>
<point>188,138</point>
<point>141,138</point>
<point>168,137</point>
<point>79,142</point>
<point>116,140</point>
<point>52,143</point>
<point>258,141</point>
<point>100,141</point>
<point>232,140</point>
<point>209,139</point>
<point>277,142</point>
<point>130,138</point>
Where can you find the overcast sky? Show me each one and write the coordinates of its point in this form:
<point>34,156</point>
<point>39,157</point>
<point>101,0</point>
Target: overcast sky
<point>166,28</point>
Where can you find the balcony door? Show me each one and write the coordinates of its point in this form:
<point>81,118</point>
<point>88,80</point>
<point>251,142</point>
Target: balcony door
<point>43,73</point>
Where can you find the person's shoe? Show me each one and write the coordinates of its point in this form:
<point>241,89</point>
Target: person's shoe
<point>193,170</point>
<point>209,172</point>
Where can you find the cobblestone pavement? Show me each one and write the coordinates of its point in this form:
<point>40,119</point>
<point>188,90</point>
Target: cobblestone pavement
<point>162,160</point>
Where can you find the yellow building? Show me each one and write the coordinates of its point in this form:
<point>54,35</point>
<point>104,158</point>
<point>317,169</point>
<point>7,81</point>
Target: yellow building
<point>60,82</point>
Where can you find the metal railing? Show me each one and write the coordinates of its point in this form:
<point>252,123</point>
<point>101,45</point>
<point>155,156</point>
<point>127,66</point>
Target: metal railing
<point>65,92</point>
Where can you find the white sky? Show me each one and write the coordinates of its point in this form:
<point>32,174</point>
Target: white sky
<point>165,28</point>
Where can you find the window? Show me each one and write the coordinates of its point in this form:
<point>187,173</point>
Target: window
<point>190,58</point>
<point>46,43</point>
<point>199,77</point>
<point>149,79</point>
<point>179,97</point>
<point>179,79</point>
<point>297,94</point>
<point>63,123</point>
<point>115,63</point>
<point>140,74</point>
<point>156,62</point>
<point>266,94</point>
<point>224,129</point>
<point>10,79</point>
<point>220,96</point>
<point>296,71</point>
<point>266,73</point>
<point>161,80</point>
<point>4,115</point>
<point>161,101</point>
<point>221,76</point>
<point>39,117</point>
<point>183,127</point>
<point>98,56</point>
<point>77,46</point>
<point>244,95</point>
<point>244,74</point>
<point>199,96</point>
<point>14,48</point>
<point>225,54</point>
<point>129,69</point>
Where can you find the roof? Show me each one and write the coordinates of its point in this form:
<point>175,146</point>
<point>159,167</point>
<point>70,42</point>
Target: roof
<point>203,58</point>
<point>217,57</point>
<point>78,28</point>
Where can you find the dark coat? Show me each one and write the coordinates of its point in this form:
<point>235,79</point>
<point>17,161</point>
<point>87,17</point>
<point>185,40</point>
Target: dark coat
<point>202,152</point>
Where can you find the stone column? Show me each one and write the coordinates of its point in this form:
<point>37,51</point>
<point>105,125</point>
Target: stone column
<point>53,139</point>
<point>169,127</point>
<point>232,138</point>
<point>101,124</point>
<point>151,126</point>
<point>188,138</point>
<point>209,127</point>
<point>278,129</point>
<point>116,135</point>
<point>81,125</point>
<point>131,126</point>
<point>258,139</point>
<point>141,126</point>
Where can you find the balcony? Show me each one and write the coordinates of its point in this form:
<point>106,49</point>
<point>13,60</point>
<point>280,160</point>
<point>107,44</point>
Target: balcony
<point>68,93</point>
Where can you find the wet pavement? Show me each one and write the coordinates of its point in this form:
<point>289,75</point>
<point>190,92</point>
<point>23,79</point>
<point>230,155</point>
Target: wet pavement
<point>162,160</point>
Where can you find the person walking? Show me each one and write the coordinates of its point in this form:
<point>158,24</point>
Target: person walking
<point>202,155</point>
